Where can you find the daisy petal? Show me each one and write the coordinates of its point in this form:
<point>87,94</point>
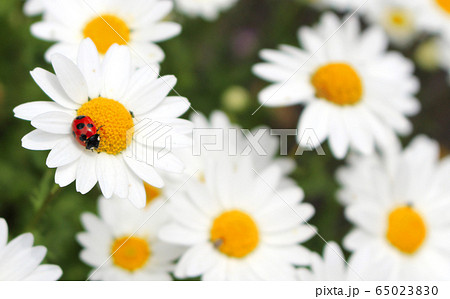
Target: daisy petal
<point>45,273</point>
<point>116,75</point>
<point>175,233</point>
<point>153,95</point>
<point>28,111</point>
<point>89,65</point>
<point>106,174</point>
<point>136,190</point>
<point>86,174</point>
<point>49,83</point>
<point>70,78</point>
<point>171,107</point>
<point>66,174</point>
<point>3,233</point>
<point>39,140</point>
<point>65,152</point>
<point>54,122</point>
<point>158,32</point>
<point>144,171</point>
<point>338,136</point>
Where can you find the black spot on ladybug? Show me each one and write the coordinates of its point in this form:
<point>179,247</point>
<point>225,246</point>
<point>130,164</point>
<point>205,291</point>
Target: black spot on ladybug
<point>83,137</point>
<point>90,125</point>
<point>80,126</point>
<point>80,117</point>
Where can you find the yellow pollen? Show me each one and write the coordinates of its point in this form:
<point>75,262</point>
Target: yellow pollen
<point>151,192</point>
<point>132,254</point>
<point>445,5</point>
<point>338,83</point>
<point>201,177</point>
<point>398,18</point>
<point>235,234</point>
<point>107,30</point>
<point>406,229</point>
<point>113,121</point>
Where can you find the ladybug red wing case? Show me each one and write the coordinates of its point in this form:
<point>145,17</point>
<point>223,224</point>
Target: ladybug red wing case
<point>85,132</point>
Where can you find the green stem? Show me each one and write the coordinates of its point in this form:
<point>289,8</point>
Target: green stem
<point>53,192</point>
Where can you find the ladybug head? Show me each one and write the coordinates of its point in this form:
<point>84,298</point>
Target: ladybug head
<point>93,142</point>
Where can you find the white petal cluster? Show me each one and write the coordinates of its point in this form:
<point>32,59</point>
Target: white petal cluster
<point>20,260</point>
<point>65,22</point>
<point>141,91</point>
<point>373,187</point>
<point>386,80</point>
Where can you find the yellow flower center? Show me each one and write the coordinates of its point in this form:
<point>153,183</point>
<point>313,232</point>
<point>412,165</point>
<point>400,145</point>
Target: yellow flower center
<point>107,30</point>
<point>151,192</point>
<point>406,229</point>
<point>132,254</point>
<point>338,83</point>
<point>113,121</point>
<point>235,234</point>
<point>398,18</point>
<point>201,177</point>
<point>445,5</point>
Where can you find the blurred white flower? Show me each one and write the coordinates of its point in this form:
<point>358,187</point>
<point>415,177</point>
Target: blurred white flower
<point>331,268</point>
<point>398,18</point>
<point>134,23</point>
<point>356,180</point>
<point>433,15</point>
<point>237,227</point>
<point>19,260</point>
<point>356,93</point>
<point>401,213</point>
<point>33,7</point>
<point>206,9</point>
<point>117,99</point>
<point>129,236</point>
<point>219,131</point>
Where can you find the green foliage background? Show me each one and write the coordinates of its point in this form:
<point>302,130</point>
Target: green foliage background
<point>207,58</point>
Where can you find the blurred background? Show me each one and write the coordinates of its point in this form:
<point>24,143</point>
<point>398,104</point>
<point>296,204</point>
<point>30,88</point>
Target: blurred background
<point>212,61</point>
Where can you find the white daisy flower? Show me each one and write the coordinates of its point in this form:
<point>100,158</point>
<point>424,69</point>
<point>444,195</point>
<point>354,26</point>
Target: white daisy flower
<point>206,9</point>
<point>357,181</point>
<point>237,227</point>
<point>434,15</point>
<point>398,18</point>
<point>33,7</point>
<point>129,236</point>
<point>402,219</point>
<point>137,24</point>
<point>331,268</point>
<point>114,100</point>
<point>19,260</point>
<point>356,93</point>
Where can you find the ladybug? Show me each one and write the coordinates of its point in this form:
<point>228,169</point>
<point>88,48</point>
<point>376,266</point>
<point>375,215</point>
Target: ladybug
<point>85,132</point>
